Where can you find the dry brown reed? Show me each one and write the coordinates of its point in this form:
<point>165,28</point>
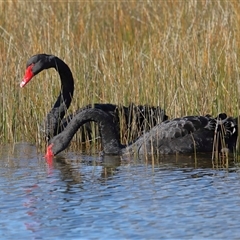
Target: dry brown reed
<point>181,55</point>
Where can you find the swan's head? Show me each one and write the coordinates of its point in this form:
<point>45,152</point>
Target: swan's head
<point>35,65</point>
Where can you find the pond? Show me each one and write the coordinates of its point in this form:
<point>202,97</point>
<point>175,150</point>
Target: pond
<point>89,197</point>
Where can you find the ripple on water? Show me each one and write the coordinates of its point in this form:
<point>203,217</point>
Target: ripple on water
<point>90,197</point>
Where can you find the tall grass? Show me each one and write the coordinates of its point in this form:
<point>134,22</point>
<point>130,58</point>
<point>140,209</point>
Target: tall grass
<point>181,55</point>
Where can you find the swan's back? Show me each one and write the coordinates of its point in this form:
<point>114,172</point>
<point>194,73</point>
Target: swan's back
<point>187,134</point>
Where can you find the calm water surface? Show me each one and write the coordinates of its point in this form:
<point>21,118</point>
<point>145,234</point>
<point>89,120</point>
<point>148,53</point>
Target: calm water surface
<point>86,197</point>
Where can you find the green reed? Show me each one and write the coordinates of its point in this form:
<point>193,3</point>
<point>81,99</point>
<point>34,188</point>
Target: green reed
<point>181,55</point>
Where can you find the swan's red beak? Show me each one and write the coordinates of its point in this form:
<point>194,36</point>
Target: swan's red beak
<point>28,76</point>
<point>49,154</point>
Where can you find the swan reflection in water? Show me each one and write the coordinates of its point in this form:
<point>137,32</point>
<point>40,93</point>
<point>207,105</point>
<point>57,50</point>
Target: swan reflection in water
<point>80,186</point>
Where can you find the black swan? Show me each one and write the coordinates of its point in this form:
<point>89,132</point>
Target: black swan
<point>180,135</point>
<point>143,116</point>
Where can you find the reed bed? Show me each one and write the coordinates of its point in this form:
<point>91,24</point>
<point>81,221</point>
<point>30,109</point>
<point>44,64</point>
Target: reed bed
<point>180,55</point>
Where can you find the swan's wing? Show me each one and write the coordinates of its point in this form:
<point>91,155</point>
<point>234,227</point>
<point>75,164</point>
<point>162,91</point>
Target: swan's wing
<point>184,135</point>
<point>180,127</point>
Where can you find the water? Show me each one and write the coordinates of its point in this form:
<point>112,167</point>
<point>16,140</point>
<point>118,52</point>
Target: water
<point>86,197</point>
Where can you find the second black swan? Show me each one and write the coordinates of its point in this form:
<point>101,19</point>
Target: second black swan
<point>142,116</point>
<point>188,134</point>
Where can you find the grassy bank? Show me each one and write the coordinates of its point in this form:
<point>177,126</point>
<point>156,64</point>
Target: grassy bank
<point>181,55</point>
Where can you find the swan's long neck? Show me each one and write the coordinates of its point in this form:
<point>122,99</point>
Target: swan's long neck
<point>54,117</point>
<point>108,129</point>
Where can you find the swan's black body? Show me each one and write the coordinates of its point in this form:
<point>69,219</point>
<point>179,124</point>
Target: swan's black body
<point>55,123</point>
<point>181,135</point>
